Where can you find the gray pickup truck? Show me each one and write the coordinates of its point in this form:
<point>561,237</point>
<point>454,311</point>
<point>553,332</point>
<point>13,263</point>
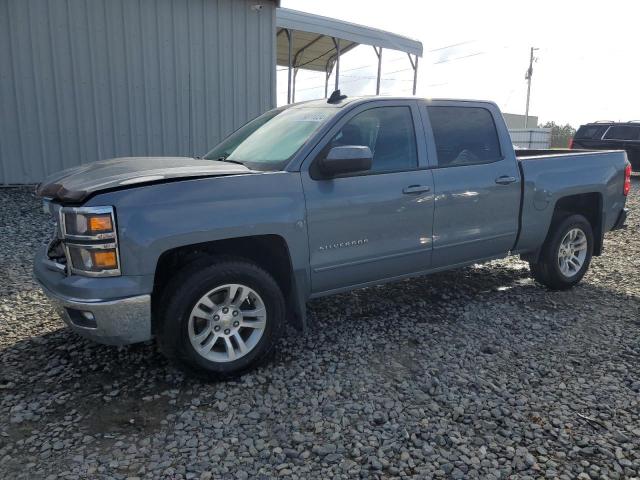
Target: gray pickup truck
<point>214,256</point>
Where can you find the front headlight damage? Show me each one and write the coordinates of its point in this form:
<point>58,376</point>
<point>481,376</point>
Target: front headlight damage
<point>90,240</point>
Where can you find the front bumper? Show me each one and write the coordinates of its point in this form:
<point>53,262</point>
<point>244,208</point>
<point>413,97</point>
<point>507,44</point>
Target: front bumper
<point>109,310</point>
<point>113,322</point>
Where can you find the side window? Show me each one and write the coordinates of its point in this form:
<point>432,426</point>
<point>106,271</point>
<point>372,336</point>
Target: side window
<point>590,131</point>
<point>388,132</point>
<point>464,136</point>
<point>623,133</point>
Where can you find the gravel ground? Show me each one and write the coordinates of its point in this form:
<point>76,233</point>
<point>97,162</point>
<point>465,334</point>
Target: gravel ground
<point>478,373</point>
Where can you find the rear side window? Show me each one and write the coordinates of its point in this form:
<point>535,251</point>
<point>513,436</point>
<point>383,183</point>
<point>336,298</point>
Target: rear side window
<point>464,136</point>
<point>623,132</point>
<point>590,131</point>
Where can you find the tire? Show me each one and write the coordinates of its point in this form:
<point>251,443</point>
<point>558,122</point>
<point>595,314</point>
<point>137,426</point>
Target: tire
<point>187,319</point>
<point>548,270</point>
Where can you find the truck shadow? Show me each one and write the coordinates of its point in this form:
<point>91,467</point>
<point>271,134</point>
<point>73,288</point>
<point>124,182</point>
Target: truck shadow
<point>58,377</point>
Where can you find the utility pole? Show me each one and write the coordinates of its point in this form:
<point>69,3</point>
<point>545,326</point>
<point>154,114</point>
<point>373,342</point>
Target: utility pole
<point>527,77</point>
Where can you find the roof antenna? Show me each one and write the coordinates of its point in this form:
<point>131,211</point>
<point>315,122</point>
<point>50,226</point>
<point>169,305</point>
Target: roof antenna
<point>336,97</point>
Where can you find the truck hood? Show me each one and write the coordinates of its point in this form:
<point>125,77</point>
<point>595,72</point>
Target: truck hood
<point>78,183</point>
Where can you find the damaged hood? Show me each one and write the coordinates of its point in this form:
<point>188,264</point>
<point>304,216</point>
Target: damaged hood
<point>78,183</point>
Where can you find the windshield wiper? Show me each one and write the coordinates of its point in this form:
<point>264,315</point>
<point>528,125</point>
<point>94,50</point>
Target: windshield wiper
<point>225,159</point>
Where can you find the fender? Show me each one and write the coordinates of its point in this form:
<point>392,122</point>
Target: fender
<point>156,218</point>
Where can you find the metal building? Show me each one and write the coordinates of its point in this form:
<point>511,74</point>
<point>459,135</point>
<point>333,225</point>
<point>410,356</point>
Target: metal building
<point>82,80</point>
<point>516,120</point>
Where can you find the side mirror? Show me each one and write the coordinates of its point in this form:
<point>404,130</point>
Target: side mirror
<point>346,159</point>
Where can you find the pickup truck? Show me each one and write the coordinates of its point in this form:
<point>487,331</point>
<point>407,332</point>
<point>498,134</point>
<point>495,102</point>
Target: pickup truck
<point>214,256</point>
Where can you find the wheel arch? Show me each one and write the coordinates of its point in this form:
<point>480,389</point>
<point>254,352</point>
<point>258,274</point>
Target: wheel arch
<point>588,204</point>
<point>270,251</point>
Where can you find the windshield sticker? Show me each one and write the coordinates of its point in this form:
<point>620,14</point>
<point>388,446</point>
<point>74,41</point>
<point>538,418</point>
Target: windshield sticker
<point>311,117</point>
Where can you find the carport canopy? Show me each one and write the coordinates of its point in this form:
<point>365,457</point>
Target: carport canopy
<point>314,42</point>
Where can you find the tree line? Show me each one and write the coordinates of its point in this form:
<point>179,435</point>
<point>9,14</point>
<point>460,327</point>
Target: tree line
<point>560,134</point>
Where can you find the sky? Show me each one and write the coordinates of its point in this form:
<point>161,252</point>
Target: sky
<point>587,68</point>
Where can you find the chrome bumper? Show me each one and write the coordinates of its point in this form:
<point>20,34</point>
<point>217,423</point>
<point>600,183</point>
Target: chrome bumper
<point>114,322</point>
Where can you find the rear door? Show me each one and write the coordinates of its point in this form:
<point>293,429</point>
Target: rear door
<point>477,182</point>
<point>373,225</point>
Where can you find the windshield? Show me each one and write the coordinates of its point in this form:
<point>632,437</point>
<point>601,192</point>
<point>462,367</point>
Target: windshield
<point>229,144</point>
<point>269,143</point>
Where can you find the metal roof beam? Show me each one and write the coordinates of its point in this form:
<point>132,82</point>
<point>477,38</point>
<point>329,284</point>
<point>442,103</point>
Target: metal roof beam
<point>303,48</point>
<point>331,27</point>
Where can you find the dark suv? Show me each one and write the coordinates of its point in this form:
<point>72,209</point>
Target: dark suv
<point>611,136</point>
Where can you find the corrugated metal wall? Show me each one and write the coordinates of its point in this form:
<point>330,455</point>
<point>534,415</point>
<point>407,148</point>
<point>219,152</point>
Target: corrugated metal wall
<point>82,80</point>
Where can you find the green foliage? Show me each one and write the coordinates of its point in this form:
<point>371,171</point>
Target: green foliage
<point>560,134</point>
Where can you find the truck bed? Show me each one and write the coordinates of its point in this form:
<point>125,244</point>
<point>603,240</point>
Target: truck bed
<point>549,175</point>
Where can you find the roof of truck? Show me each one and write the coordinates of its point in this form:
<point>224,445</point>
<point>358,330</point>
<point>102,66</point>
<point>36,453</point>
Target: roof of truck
<point>364,98</point>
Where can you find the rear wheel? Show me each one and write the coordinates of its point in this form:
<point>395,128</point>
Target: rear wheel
<point>566,254</point>
<point>221,316</point>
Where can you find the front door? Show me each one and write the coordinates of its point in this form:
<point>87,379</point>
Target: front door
<point>377,224</point>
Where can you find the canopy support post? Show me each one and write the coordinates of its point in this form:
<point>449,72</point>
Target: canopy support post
<point>293,93</point>
<point>327,74</point>
<point>328,68</point>
<point>289,34</point>
<point>379,55</point>
<point>414,65</point>
<point>336,42</point>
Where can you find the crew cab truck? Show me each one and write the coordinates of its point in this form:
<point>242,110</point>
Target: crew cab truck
<point>214,256</point>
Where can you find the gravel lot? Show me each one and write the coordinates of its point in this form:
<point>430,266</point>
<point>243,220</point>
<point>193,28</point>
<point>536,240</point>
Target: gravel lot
<point>478,373</point>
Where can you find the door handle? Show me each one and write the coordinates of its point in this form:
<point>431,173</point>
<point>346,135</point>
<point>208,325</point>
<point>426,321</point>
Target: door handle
<point>416,189</point>
<point>505,180</point>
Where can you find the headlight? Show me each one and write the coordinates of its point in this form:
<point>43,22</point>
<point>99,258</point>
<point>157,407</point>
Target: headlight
<point>90,241</point>
<point>94,260</point>
<point>88,223</point>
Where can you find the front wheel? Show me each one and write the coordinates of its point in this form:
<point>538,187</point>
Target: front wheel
<point>222,317</point>
<point>566,254</point>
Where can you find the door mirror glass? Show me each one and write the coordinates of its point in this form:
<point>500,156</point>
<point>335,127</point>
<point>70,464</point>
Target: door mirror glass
<point>346,159</point>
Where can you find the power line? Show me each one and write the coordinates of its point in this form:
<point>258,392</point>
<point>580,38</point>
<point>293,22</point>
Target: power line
<point>447,60</point>
<point>398,71</point>
<point>370,66</point>
<point>387,62</point>
<point>383,79</point>
<point>451,46</point>
<point>357,79</point>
